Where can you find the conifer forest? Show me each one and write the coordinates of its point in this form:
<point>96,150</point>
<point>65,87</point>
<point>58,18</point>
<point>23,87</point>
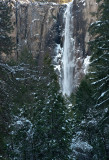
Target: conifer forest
<point>46,113</point>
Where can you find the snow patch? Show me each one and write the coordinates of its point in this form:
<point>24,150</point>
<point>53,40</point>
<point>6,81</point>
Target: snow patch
<point>86,64</point>
<point>63,128</point>
<point>57,58</point>
<point>35,20</point>
<point>22,1</point>
<point>57,67</point>
<point>106,110</point>
<point>83,1</point>
<point>78,143</point>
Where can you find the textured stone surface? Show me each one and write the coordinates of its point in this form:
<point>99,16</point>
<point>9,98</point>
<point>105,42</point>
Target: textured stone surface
<point>82,18</point>
<point>34,22</point>
<point>39,27</point>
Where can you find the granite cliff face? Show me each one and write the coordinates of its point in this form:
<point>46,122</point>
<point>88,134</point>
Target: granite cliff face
<point>39,28</point>
<point>82,18</point>
<point>34,21</point>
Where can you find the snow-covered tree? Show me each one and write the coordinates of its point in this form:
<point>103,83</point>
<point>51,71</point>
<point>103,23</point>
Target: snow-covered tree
<point>6,27</point>
<point>91,102</point>
<point>53,130</point>
<point>100,55</point>
<point>99,70</point>
<point>6,46</point>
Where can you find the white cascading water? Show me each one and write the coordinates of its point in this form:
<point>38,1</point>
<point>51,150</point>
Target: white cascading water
<point>68,49</point>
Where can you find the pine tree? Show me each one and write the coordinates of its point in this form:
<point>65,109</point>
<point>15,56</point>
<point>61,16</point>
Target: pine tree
<point>82,114</point>
<point>6,27</point>
<point>52,136</point>
<point>6,93</point>
<point>91,111</point>
<point>41,127</point>
<point>5,76</point>
<point>100,58</point>
<point>99,75</point>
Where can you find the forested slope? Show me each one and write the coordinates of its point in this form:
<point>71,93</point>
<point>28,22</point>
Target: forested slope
<point>91,101</point>
<point>36,121</point>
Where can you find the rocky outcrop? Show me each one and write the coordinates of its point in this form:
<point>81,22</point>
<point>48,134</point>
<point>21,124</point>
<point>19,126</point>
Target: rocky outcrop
<point>34,21</point>
<point>36,25</point>
<point>82,18</point>
<point>39,28</point>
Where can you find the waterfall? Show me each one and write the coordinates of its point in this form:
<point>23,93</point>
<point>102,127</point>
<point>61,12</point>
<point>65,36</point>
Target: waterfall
<point>68,49</point>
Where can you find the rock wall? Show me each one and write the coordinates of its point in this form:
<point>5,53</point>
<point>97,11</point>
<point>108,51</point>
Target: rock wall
<point>82,18</point>
<point>35,22</point>
<point>39,27</point>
